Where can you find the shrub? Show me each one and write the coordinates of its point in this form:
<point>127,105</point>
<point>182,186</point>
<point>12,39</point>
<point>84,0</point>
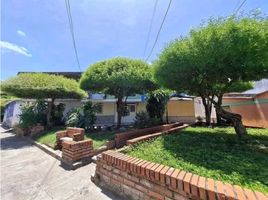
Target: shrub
<point>57,114</point>
<point>143,120</point>
<point>83,117</point>
<point>27,117</point>
<point>73,118</point>
<point>33,113</point>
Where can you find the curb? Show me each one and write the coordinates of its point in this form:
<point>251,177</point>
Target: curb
<point>66,165</point>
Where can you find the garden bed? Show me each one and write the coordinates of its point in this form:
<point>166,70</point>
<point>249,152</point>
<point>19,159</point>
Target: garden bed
<point>213,153</point>
<point>99,138</point>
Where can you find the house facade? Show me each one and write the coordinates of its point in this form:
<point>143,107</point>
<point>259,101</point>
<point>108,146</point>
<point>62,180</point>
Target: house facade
<point>252,105</point>
<point>185,110</point>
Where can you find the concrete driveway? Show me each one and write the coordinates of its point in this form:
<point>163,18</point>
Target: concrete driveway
<point>28,173</point>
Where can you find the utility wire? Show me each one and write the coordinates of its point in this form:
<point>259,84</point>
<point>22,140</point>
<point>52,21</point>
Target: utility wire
<point>236,5</point>
<point>150,28</point>
<point>158,33</point>
<point>239,7</point>
<point>69,14</point>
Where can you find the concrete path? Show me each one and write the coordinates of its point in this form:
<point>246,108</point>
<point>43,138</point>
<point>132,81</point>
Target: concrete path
<point>28,173</point>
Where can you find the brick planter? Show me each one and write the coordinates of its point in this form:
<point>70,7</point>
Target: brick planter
<point>77,134</point>
<point>75,151</point>
<point>135,178</point>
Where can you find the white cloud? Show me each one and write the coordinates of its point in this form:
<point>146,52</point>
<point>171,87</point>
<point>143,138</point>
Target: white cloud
<point>7,46</point>
<point>21,33</point>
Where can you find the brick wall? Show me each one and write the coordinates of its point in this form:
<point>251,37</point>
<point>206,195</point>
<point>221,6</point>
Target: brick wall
<point>134,178</point>
<point>121,138</point>
<point>73,151</point>
<point>77,134</point>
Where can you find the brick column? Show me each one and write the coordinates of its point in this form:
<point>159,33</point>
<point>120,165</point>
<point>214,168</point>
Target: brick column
<point>74,151</point>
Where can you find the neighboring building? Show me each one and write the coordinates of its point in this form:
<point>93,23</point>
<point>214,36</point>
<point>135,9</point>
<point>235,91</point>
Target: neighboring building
<point>252,104</point>
<point>180,107</point>
<point>186,110</point>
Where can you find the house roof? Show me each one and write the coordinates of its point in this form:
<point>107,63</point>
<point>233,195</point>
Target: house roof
<point>259,87</point>
<point>72,75</point>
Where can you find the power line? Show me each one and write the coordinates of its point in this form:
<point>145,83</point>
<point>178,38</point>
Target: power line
<point>239,7</point>
<point>69,14</point>
<point>236,5</point>
<point>158,33</point>
<point>150,28</point>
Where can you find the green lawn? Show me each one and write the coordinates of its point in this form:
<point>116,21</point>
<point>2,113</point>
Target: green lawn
<point>214,153</point>
<point>99,138</point>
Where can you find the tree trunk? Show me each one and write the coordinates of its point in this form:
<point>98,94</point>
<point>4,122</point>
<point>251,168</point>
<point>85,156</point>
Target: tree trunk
<point>207,105</point>
<point>49,111</point>
<point>219,119</point>
<point>236,120</point>
<point>119,111</point>
<point>166,113</point>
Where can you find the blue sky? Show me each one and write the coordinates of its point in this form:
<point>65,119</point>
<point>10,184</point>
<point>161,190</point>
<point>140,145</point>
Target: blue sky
<point>35,34</point>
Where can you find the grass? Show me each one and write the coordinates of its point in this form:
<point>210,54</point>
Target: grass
<point>99,138</point>
<point>215,153</point>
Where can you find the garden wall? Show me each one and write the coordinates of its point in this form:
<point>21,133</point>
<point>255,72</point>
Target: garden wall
<point>73,151</point>
<point>134,178</point>
<point>121,138</point>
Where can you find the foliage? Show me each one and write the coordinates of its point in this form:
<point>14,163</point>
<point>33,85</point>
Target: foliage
<point>157,103</point>
<point>219,55</point>
<point>57,114</point>
<point>121,77</point>
<point>33,113</point>
<point>27,116</point>
<point>118,76</point>
<point>42,86</point>
<point>215,153</point>
<point>90,111</point>
<point>73,118</point>
<point>143,120</point>
<point>84,117</point>
<point>223,55</point>
<point>99,138</point>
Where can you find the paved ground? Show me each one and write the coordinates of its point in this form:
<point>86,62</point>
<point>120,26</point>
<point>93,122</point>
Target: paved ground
<point>28,173</point>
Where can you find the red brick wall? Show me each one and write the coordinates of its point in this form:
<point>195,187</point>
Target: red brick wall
<point>138,179</point>
<point>121,138</point>
<point>73,151</point>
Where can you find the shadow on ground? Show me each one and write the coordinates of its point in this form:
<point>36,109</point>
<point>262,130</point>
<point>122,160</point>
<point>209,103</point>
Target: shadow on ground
<point>8,141</point>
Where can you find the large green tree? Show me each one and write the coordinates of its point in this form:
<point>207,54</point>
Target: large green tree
<point>121,77</point>
<point>221,56</point>
<point>43,86</point>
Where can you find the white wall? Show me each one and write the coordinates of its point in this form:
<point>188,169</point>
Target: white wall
<point>12,118</point>
<point>200,110</point>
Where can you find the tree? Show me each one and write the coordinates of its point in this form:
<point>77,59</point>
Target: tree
<point>222,56</point>
<point>157,104</point>
<point>43,86</point>
<point>121,77</point>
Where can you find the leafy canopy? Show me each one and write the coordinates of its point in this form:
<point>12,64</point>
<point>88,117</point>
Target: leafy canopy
<point>118,76</point>
<point>41,85</point>
<point>221,56</point>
